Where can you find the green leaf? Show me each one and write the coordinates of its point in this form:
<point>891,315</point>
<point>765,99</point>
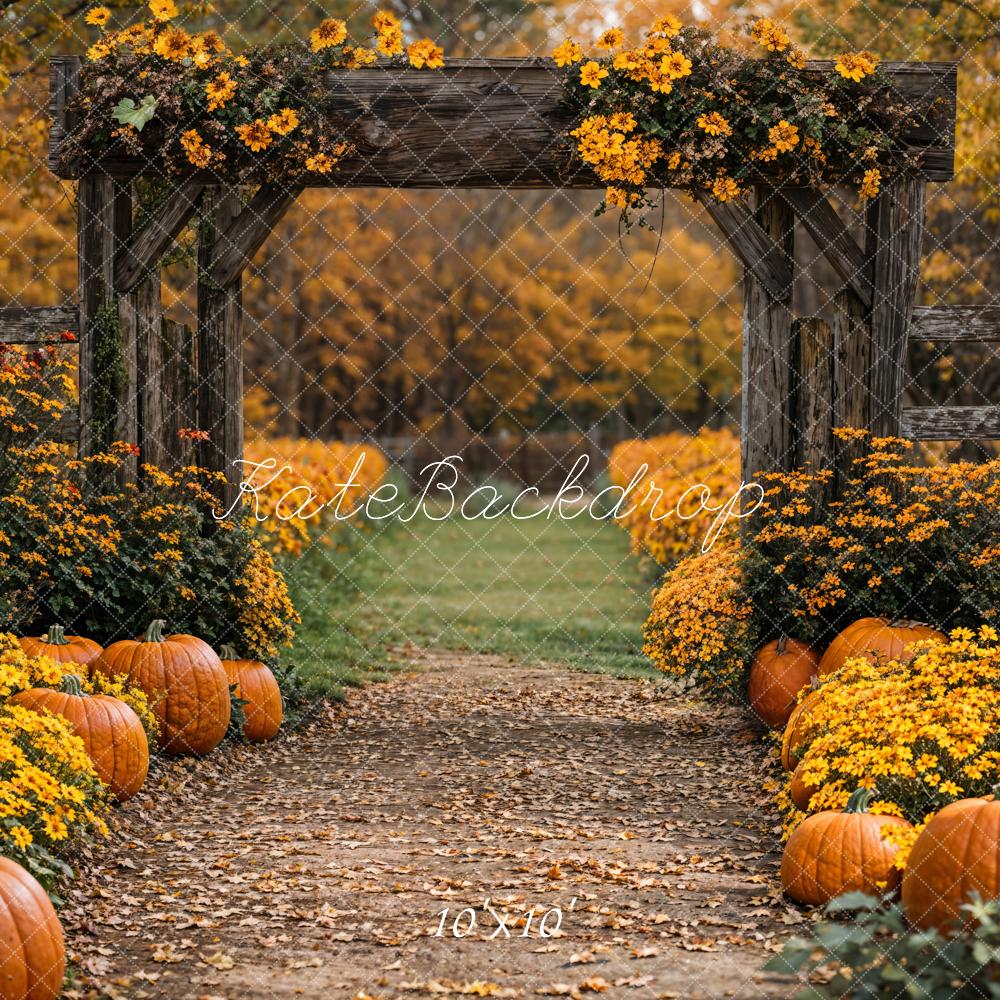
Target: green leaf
<point>852,901</point>
<point>127,113</point>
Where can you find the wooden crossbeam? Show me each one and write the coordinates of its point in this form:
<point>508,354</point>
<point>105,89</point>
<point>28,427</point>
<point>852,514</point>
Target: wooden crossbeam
<point>155,238</point>
<point>40,325</point>
<point>956,324</point>
<point>752,245</point>
<point>824,225</point>
<point>237,244</point>
<point>951,423</point>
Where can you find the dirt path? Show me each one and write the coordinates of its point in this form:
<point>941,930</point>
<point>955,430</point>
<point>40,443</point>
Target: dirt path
<point>319,866</point>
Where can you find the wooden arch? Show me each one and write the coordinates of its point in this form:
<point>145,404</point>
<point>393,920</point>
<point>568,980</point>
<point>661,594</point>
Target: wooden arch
<point>501,123</point>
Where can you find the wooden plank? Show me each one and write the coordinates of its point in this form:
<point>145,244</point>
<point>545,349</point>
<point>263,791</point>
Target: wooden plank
<point>956,324</point>
<point>236,246</point>
<point>852,360</point>
<point>150,388</point>
<point>38,325</point>
<point>769,355</point>
<point>64,77</point>
<point>824,225</point>
<point>145,249</point>
<point>814,409</point>
<point>752,245</point>
<point>951,423</point>
<point>126,399</point>
<point>220,351</point>
<point>180,386</point>
<point>502,123</point>
<point>896,225</point>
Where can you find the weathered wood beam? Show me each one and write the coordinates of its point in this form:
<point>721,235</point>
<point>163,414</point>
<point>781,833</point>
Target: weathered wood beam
<point>824,225</point>
<point>146,309</point>
<point>750,241</point>
<point>145,249</point>
<point>896,224</point>
<point>852,349</point>
<point>220,351</point>
<point>951,423</point>
<point>502,123</point>
<point>956,324</point>
<point>769,352</point>
<point>814,410</point>
<point>38,325</point>
<point>236,245</point>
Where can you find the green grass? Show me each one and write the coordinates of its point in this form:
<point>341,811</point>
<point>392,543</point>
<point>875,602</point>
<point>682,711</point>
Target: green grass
<point>538,590</point>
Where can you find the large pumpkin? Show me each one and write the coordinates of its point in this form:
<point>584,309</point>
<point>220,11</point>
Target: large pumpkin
<point>780,670</point>
<point>111,732</point>
<point>876,638</point>
<point>256,686</point>
<point>800,790</point>
<point>830,853</point>
<point>32,953</point>
<point>62,648</point>
<point>185,682</point>
<point>956,854</point>
<point>793,738</point>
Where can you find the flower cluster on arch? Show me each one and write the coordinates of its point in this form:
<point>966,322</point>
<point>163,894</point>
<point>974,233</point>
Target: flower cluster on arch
<point>680,110</point>
<point>262,113</point>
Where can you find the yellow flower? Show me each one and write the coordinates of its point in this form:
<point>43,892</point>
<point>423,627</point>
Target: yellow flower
<point>284,122</point>
<point>725,189</point>
<point>198,153</point>
<point>592,74</point>
<point>784,136</point>
<point>384,20</point>
<point>98,16</point>
<point>390,33</point>
<point>163,10</point>
<point>714,124</point>
<point>355,57</point>
<point>257,136</point>
<point>796,60</point>
<point>21,836</point>
<point>675,65</point>
<point>174,44</point>
<point>668,26</point>
<point>870,183</point>
<point>99,50</point>
<point>424,54</point>
<point>611,38</point>
<point>328,33</point>
<point>320,163</point>
<point>770,35</point>
<point>856,66</point>
<point>567,53</point>
<point>220,91</point>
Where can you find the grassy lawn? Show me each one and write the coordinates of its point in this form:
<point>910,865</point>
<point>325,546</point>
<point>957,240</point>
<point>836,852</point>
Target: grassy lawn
<point>537,589</point>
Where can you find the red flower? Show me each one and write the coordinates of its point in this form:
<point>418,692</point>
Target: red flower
<point>68,337</point>
<point>192,434</point>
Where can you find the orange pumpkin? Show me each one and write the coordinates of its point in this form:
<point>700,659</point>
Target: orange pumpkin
<point>830,853</point>
<point>184,680</point>
<point>780,670</point>
<point>956,854</point>
<point>800,790</point>
<point>876,638</point>
<point>255,685</point>
<point>794,736</point>
<point>111,732</point>
<point>62,648</point>
<point>32,953</point>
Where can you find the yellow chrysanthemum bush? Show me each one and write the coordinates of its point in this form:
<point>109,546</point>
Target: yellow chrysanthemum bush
<point>671,467</point>
<point>920,734</point>
<point>298,482</point>
<point>50,795</point>
<point>680,110</point>
<point>154,88</point>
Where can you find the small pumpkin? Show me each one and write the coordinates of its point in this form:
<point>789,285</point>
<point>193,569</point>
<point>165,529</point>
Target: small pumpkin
<point>780,670</point>
<point>876,638</point>
<point>32,952</point>
<point>830,853</point>
<point>800,790</point>
<point>112,733</point>
<point>956,854</point>
<point>257,687</point>
<point>62,648</point>
<point>794,736</point>
<point>185,682</point>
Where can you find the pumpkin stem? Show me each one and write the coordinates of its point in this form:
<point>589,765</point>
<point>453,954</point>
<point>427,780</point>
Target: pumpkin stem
<point>907,623</point>
<point>860,800</point>
<point>56,636</point>
<point>782,644</point>
<point>155,631</point>
<point>71,685</point>
<point>227,652</point>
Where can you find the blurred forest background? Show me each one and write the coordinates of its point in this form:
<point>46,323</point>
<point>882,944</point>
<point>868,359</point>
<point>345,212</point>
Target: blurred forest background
<point>385,314</point>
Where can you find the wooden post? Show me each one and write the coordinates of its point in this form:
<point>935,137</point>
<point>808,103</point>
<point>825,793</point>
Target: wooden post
<point>768,354</point>
<point>852,398</point>
<point>149,318</point>
<point>180,390</point>
<point>107,343</point>
<point>895,225</point>
<point>220,350</point>
<point>815,402</point>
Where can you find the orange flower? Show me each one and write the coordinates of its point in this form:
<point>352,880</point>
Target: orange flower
<point>257,136</point>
